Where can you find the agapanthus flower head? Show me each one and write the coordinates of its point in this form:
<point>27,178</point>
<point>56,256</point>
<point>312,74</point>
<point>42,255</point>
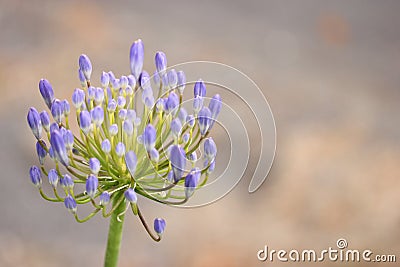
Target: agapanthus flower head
<point>126,147</point>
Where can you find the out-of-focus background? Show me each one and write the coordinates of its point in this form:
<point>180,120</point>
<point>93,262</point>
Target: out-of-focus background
<point>330,71</point>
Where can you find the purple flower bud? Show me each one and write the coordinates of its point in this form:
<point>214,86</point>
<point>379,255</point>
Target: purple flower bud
<point>147,92</point>
<point>36,175</point>
<point>181,81</point>
<point>172,78</point>
<point>121,101</point>
<point>190,120</point>
<point>144,80</point>
<point>164,81</point>
<point>131,115</point>
<point>112,105</point>
<point>85,121</point>
<point>161,62</point>
<point>104,198</point>
<point>111,75</point>
<point>66,108</point>
<point>45,120</point>
<point>94,165</point>
<point>149,101</point>
<point>51,153</point>
<point>185,138</point>
<point>170,176</point>
<point>120,149</point>
<point>172,102</point>
<point>70,204</point>
<point>192,156</point>
<point>53,177</point>
<point>46,90</point>
<point>154,155</point>
<point>197,104</point>
<point>182,115</point>
<point>98,96</point>
<point>106,146</point>
<point>131,161</point>
<point>204,118</point>
<point>59,149</point>
<point>128,127</point>
<point>78,98</point>
<point>97,115</point>
<point>176,127</point>
<point>82,78</point>
<point>113,130</point>
<point>178,161</point>
<point>160,104</point>
<point>86,66</point>
<point>212,167</point>
<point>215,106</point>
<point>54,127</point>
<point>129,91</point>
<point>57,111</point>
<point>191,181</point>
<point>124,82</point>
<point>67,182</point>
<point>137,58</point>
<point>104,79</point>
<point>115,84</point>
<point>137,121</point>
<point>130,195</point>
<point>91,92</point>
<point>199,88</point>
<point>122,114</point>
<point>210,148</point>
<point>131,81</point>
<point>41,152</point>
<point>159,226</point>
<point>91,185</point>
<point>68,139</point>
<point>34,122</point>
<point>149,137</point>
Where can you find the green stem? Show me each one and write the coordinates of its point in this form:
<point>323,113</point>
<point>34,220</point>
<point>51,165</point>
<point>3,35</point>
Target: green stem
<point>115,234</point>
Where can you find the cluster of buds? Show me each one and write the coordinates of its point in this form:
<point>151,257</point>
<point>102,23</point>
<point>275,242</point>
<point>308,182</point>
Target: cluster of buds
<point>120,152</point>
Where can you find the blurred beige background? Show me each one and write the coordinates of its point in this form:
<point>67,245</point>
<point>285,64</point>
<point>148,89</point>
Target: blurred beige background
<point>330,71</point>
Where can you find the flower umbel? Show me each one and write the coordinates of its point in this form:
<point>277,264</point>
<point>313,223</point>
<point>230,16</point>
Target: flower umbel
<point>133,141</point>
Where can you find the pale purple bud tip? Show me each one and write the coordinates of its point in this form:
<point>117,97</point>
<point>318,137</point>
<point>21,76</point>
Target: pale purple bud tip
<point>160,104</point>
<point>120,149</point>
<point>86,66</point>
<point>81,77</point>
<point>97,115</point>
<point>112,105</point>
<point>172,102</point>
<point>131,161</point>
<point>91,92</point>
<point>161,62</point>
<point>130,195</point>
<point>57,111</point>
<point>36,175</point>
<point>193,156</point>
<point>128,127</point>
<point>191,121</point>
<point>104,198</point>
<point>159,226</point>
<point>181,81</point>
<point>34,122</point>
<point>131,115</point>
<point>85,121</point>
<point>54,127</point>
<point>46,90</point>
<point>149,137</point>
<point>104,79</point>
<point>137,121</point>
<point>113,130</point>
<point>129,90</point>
<point>106,146</point>
<point>172,78</point>
<point>59,148</point>
<point>144,80</point>
<point>98,96</point>
<point>121,101</point>
<point>66,181</point>
<point>41,151</point>
<point>68,139</point>
<point>45,119</point>
<point>137,58</point>
<point>131,81</point>
<point>78,98</point>
<point>210,148</point>
<point>70,204</point>
<point>191,181</point>
<point>94,165</point>
<point>204,118</point>
<point>154,155</point>
<point>197,104</point>
<point>199,88</point>
<point>51,153</point>
<point>212,167</point>
<point>91,185</point>
<point>176,127</point>
<point>115,84</point>
<point>66,107</point>
<point>53,177</point>
<point>122,114</point>
<point>123,82</point>
<point>178,161</point>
